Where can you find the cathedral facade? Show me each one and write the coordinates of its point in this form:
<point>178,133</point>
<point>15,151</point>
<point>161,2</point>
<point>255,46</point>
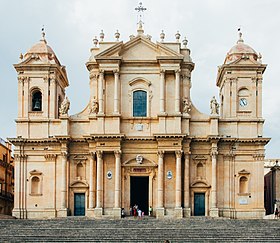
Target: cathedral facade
<point>140,140</point>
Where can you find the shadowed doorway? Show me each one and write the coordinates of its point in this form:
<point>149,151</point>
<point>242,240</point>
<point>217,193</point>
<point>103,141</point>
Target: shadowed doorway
<point>139,192</point>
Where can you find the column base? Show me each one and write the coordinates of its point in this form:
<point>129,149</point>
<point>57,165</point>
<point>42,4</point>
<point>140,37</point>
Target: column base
<point>214,212</point>
<point>62,213</point>
<point>160,213</point>
<point>117,213</point>
<point>90,212</point>
<point>178,213</point>
<point>98,212</point>
<point>186,212</point>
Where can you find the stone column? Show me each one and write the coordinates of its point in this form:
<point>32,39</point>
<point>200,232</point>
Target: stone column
<point>117,179</point>
<point>100,92</point>
<point>116,93</point>
<point>178,203</point>
<point>187,211</point>
<point>99,177</point>
<point>160,208</point>
<point>162,92</point>
<point>91,189</point>
<point>53,98</point>
<point>117,208</point>
<point>63,180</point>
<point>177,91</point>
<point>26,97</point>
<point>214,210</point>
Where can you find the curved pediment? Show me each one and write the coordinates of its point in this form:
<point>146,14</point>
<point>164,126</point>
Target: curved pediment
<point>138,162</point>
<point>140,80</point>
<point>200,183</point>
<point>79,184</point>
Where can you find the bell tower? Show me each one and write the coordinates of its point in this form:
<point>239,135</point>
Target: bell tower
<point>41,89</point>
<point>240,82</point>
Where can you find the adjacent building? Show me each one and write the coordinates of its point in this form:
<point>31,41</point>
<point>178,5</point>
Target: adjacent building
<point>271,185</point>
<point>6,178</point>
<point>140,140</point>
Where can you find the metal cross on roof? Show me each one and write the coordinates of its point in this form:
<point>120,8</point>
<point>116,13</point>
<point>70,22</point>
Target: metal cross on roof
<point>140,9</point>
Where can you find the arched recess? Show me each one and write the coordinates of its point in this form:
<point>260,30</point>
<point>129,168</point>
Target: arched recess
<point>36,184</point>
<point>243,99</point>
<point>36,99</point>
<point>199,170</point>
<point>243,182</point>
<point>80,171</point>
<point>243,185</point>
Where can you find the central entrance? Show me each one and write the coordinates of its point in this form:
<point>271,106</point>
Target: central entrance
<point>139,192</point>
<point>199,204</point>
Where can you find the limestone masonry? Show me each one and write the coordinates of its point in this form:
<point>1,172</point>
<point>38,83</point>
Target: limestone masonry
<point>140,140</point>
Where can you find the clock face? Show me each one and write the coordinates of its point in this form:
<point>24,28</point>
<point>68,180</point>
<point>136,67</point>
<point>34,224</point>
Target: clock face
<point>243,102</point>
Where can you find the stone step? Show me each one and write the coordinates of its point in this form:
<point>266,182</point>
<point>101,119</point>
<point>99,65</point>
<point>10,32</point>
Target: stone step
<point>194,229</point>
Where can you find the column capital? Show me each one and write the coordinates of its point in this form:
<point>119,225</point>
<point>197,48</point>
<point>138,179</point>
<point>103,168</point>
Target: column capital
<point>99,154</point>
<point>178,154</point>
<point>116,71</point>
<point>162,71</point>
<point>178,71</point>
<point>160,153</point>
<point>64,154</point>
<point>214,151</point>
<point>117,153</point>
<point>92,154</point>
<point>93,75</point>
<point>101,71</point>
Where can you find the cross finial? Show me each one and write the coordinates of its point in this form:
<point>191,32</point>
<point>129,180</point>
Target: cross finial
<point>240,35</point>
<point>43,34</point>
<point>140,10</point>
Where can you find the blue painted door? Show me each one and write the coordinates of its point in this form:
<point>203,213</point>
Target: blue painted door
<point>79,204</point>
<point>199,204</point>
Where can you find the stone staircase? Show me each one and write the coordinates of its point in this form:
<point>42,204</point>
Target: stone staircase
<point>194,229</point>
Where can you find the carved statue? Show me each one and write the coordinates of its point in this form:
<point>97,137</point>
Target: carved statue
<point>65,105</point>
<point>214,106</point>
<point>93,106</point>
<point>139,159</point>
<point>187,105</point>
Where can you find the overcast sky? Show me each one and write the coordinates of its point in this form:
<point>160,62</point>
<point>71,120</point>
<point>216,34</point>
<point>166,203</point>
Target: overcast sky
<point>209,25</point>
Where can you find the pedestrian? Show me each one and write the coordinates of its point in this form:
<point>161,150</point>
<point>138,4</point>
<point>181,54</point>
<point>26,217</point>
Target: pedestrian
<point>150,211</point>
<point>276,213</point>
<point>143,214</point>
<point>139,213</point>
<point>130,211</point>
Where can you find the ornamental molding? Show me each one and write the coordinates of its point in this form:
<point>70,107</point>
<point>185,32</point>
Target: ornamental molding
<point>50,157</point>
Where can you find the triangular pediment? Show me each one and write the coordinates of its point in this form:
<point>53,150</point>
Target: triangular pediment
<point>245,60</point>
<point>139,48</point>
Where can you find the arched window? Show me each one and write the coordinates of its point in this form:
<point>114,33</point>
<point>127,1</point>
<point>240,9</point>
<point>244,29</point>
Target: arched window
<point>199,170</point>
<point>35,181</point>
<point>243,184</point>
<point>139,103</point>
<point>37,101</point>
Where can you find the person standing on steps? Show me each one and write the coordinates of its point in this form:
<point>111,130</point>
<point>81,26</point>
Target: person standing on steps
<point>276,213</point>
<point>150,211</point>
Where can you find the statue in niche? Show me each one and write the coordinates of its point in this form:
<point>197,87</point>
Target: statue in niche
<point>214,106</point>
<point>93,106</point>
<point>65,105</point>
<point>187,105</point>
